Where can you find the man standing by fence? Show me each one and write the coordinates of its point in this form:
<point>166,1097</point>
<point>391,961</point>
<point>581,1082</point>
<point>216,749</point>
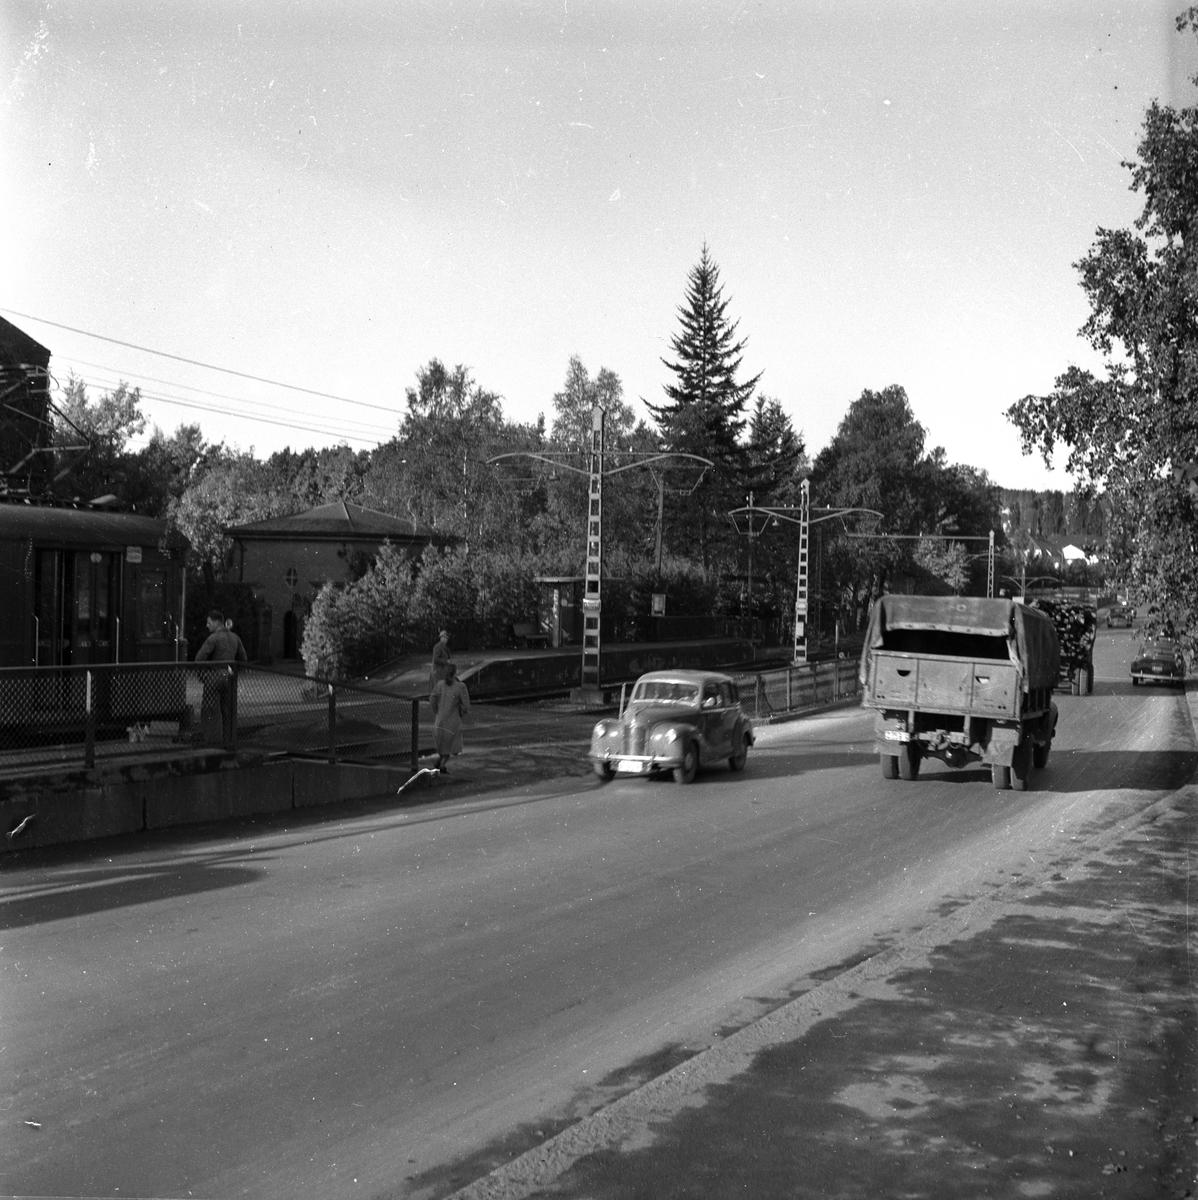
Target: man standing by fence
<point>222,645</point>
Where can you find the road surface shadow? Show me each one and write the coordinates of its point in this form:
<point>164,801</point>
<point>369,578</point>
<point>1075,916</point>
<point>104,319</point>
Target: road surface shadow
<point>1051,1054</point>
<point>71,894</point>
<point>1081,771</point>
<point>1127,688</point>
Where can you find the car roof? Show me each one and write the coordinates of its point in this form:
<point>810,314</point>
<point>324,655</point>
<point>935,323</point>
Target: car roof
<point>685,676</point>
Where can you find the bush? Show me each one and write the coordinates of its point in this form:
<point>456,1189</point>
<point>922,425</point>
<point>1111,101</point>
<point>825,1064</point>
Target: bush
<point>364,623</point>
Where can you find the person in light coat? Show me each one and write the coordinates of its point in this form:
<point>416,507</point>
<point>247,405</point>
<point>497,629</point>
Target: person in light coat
<point>441,659</point>
<point>450,702</point>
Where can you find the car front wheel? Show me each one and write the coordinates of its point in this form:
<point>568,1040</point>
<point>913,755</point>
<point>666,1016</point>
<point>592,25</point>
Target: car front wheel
<point>603,769</point>
<point>685,771</point>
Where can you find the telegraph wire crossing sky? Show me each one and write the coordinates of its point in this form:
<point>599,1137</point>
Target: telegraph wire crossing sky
<point>329,196</point>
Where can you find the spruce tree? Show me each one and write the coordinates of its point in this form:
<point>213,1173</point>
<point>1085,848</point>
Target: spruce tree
<point>705,406</point>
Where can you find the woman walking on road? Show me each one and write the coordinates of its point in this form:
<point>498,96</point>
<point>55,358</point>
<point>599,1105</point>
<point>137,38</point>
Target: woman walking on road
<point>450,703</point>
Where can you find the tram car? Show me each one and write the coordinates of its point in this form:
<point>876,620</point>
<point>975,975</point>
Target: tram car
<point>85,588</point>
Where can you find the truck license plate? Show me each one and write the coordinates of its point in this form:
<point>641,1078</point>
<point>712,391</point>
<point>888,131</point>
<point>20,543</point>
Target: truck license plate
<point>897,735</point>
<point>631,765</point>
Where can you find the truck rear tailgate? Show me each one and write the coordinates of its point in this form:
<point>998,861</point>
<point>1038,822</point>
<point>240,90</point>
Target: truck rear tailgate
<point>936,683</point>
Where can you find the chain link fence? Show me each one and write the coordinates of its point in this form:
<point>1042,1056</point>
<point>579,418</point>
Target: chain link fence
<point>74,716</point>
<point>769,694</point>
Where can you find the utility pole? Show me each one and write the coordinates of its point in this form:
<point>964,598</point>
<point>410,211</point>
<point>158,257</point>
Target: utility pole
<point>804,521</point>
<point>592,599</point>
<point>596,472</point>
<point>800,642</point>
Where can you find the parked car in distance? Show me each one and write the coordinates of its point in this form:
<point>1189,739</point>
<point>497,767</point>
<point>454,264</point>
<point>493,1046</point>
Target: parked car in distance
<point>1159,661</point>
<point>1121,615</point>
<point>674,721</point>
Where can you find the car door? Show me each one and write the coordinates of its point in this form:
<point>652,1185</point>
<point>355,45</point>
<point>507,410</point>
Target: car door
<point>711,721</point>
<point>732,716</point>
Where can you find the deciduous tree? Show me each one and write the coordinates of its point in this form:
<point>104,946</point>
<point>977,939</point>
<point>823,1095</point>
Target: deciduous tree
<point>1132,430</point>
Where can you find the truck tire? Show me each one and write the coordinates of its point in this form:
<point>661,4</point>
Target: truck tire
<point>1021,766</point>
<point>1000,776</point>
<point>908,761</point>
<point>1040,755</point>
<point>1090,679</point>
<point>889,766</point>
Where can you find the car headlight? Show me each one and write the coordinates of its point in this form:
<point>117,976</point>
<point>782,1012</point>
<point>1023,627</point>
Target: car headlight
<point>667,735</point>
<point>601,729</point>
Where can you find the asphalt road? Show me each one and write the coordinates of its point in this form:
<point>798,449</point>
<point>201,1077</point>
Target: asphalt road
<point>391,1004</point>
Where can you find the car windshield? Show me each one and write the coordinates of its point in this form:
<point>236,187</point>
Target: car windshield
<point>1166,648</point>
<point>666,691</point>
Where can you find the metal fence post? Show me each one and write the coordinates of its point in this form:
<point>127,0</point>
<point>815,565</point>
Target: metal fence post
<point>89,743</point>
<point>757,698</point>
<point>332,724</point>
<point>231,732</point>
<point>415,736</point>
<point>790,700</point>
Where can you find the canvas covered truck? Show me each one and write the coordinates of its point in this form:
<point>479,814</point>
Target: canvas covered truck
<point>1077,627</point>
<point>963,680</point>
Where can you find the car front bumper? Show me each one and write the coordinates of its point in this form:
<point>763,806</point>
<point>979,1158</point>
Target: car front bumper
<point>637,764</point>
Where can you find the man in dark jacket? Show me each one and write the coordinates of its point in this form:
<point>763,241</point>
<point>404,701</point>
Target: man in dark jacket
<point>220,646</point>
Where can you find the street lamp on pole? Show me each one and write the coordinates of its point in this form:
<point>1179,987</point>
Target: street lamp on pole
<point>804,521</point>
<point>596,473</point>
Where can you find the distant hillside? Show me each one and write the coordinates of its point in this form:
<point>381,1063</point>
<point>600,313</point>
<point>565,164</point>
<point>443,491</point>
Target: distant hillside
<point>1051,514</point>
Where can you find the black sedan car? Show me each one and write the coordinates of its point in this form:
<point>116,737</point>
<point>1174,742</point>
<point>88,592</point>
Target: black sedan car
<point>1159,661</point>
<point>676,721</point>
<point>1120,615</point>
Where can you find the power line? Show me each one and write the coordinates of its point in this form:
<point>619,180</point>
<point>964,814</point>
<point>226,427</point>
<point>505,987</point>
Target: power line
<point>195,362</point>
<point>125,376</point>
<point>364,428</point>
<point>228,412</point>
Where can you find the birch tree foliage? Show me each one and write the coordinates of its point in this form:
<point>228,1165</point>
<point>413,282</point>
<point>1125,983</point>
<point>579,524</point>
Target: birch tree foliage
<point>1132,429</point>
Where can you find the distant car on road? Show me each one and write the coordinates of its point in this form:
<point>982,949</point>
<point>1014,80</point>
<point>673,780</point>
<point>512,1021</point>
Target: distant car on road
<point>1159,661</point>
<point>675,721</point>
<point>1121,615</point>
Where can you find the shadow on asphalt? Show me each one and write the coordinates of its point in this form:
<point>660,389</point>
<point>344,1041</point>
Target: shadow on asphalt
<point>1067,770</point>
<point>1127,688</point>
<point>84,892</point>
<point>1052,1053</point>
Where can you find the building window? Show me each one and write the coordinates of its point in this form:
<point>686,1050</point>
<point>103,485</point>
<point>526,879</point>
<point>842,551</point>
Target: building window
<point>292,577</point>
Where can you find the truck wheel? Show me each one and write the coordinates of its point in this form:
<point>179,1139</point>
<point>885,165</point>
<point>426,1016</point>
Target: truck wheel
<point>690,764</point>
<point>604,770</point>
<point>1040,755</point>
<point>1090,680</point>
<point>1000,776</point>
<point>908,761</point>
<point>889,766</point>
<point>1021,766</point>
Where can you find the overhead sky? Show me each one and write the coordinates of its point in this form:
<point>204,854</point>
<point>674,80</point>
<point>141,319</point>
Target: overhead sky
<point>328,195</point>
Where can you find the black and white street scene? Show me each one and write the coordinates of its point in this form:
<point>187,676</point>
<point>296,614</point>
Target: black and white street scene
<point>598,599</point>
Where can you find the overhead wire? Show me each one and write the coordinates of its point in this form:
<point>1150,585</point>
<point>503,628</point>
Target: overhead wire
<point>199,406</point>
<point>130,376</point>
<point>194,362</point>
